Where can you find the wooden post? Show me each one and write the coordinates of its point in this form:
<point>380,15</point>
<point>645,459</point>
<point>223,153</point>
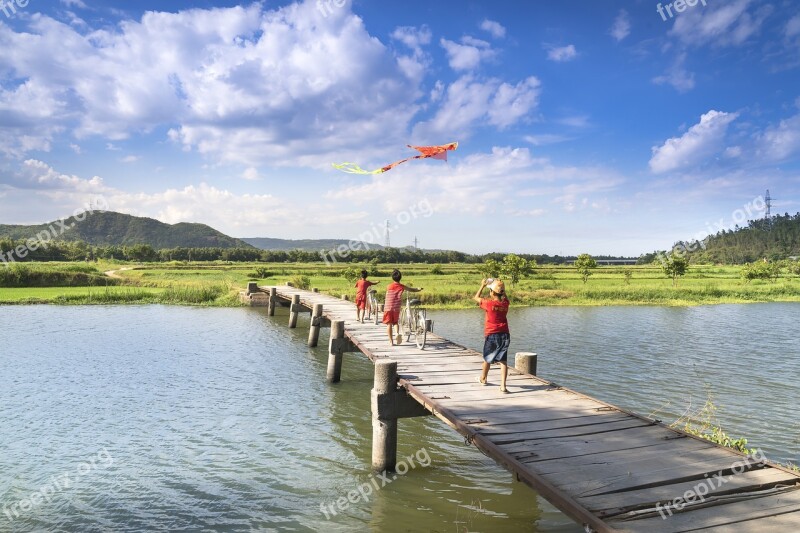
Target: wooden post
<point>315,289</point>
<point>345,297</point>
<point>384,417</point>
<point>252,287</point>
<point>273,301</point>
<point>335,351</point>
<point>525,362</point>
<point>316,318</point>
<point>429,325</point>
<point>294,311</point>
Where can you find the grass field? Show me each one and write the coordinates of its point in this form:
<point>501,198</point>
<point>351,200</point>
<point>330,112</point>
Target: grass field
<point>218,284</point>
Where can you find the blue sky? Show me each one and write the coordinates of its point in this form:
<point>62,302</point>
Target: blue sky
<point>583,126</point>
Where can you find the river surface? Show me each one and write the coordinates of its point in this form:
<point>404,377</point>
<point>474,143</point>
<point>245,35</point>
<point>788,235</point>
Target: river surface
<point>137,418</point>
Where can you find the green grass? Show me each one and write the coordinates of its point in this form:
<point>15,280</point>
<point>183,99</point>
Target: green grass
<point>218,284</point>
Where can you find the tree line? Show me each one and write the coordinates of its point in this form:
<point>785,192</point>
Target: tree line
<point>22,251</point>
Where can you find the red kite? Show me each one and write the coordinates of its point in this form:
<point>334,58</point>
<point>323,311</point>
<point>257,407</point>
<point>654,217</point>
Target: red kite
<point>436,152</point>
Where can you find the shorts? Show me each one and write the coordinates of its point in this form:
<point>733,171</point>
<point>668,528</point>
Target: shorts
<point>391,317</point>
<point>361,301</point>
<point>495,348</point>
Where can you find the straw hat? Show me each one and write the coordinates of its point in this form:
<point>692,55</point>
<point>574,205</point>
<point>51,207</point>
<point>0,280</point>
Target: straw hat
<point>497,286</point>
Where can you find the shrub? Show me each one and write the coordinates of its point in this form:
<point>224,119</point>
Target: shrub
<point>300,282</point>
<point>437,270</point>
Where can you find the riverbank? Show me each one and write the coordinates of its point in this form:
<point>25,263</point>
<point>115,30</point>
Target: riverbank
<point>448,286</point>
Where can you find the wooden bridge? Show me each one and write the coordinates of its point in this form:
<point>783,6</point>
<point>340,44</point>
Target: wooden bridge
<point>606,468</point>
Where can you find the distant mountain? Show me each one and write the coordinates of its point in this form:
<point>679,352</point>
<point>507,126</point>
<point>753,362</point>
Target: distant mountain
<point>308,245</point>
<point>109,228</point>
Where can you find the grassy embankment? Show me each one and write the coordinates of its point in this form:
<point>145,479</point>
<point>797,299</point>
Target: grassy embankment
<point>217,284</point>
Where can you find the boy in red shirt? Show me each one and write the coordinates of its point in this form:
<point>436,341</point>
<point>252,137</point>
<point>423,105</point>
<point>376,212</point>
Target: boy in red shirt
<point>361,295</point>
<point>391,309</point>
<point>495,347</point>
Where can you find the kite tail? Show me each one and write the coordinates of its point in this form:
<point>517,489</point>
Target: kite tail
<point>352,168</point>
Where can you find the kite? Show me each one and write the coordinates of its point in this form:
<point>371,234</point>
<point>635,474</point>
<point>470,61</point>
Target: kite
<point>436,152</point>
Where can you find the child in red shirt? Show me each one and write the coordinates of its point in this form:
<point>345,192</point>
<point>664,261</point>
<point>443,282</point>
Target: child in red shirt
<point>361,295</point>
<point>391,309</point>
<point>498,338</point>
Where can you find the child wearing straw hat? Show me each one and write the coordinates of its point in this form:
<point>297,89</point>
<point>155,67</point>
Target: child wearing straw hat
<point>498,338</point>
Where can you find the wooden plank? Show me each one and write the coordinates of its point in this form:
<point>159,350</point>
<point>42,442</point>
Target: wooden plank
<point>661,472</point>
<point>621,502</point>
<point>629,439</point>
<point>595,429</point>
<point>786,504</point>
<point>574,421</point>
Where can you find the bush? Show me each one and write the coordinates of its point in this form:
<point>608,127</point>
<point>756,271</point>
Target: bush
<point>760,270</point>
<point>261,273</point>
<point>437,270</point>
<point>300,282</point>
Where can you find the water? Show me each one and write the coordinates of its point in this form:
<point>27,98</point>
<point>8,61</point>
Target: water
<point>182,419</point>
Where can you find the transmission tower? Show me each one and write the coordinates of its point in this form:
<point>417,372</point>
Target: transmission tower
<point>416,247</point>
<point>387,244</point>
<point>768,211</point>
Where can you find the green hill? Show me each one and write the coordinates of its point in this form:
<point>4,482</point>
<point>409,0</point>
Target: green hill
<point>774,239</point>
<point>109,228</point>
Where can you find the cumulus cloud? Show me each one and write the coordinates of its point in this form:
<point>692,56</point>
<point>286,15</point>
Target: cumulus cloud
<point>242,84</point>
<point>494,28</point>
<point>622,26</point>
<point>562,53</point>
<point>468,54</point>
<point>37,174</point>
<point>468,102</point>
<point>778,143</point>
<point>701,141</point>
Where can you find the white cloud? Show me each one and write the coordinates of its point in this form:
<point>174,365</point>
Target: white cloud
<point>494,28</point>
<point>724,24</point>
<point>700,142</point>
<point>469,103</point>
<point>243,84</point>
<point>545,139</point>
<point>39,175</point>
<point>677,76</point>
<point>793,27</point>
<point>562,53</point>
<point>251,174</point>
<point>508,180</point>
<point>413,37</point>
<point>75,148</point>
<point>130,159</point>
<point>467,55</point>
<point>622,26</point>
<point>778,143</point>
<point>74,3</point>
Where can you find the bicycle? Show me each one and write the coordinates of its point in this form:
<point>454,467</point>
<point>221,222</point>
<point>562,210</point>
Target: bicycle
<point>372,306</point>
<point>412,322</point>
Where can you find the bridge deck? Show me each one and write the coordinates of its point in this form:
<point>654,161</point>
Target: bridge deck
<point>604,467</point>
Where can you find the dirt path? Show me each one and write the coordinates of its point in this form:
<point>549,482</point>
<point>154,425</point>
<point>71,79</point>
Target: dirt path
<point>113,273</point>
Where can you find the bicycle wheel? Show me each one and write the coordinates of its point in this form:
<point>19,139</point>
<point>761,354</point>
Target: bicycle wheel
<point>405,323</point>
<point>420,330</point>
<point>375,308</point>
